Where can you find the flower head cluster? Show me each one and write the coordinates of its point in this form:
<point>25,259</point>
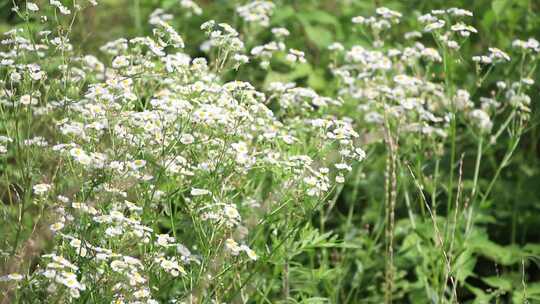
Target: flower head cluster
<point>257,12</point>
<point>157,150</point>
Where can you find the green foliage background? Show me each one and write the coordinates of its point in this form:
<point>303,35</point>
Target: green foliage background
<point>504,250</point>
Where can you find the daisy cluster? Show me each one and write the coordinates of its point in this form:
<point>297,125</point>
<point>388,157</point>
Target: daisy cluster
<point>403,83</point>
<point>157,176</point>
<point>163,163</point>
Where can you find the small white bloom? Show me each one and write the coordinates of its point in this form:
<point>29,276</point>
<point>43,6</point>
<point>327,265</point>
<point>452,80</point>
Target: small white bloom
<point>11,277</point>
<point>482,120</point>
<point>41,189</point>
<point>32,6</point>
<point>199,192</point>
<point>231,212</point>
<point>250,253</point>
<point>280,32</point>
<point>187,139</point>
<point>28,100</point>
<point>361,154</point>
<point>57,226</point>
<point>80,156</point>
<point>232,246</point>
<point>137,164</point>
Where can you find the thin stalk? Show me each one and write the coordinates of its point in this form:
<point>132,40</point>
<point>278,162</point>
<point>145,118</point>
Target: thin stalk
<point>477,167</point>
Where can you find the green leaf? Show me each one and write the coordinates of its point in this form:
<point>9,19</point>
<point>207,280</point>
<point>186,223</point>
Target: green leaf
<point>527,295</point>
<point>319,35</point>
<point>299,71</point>
<point>319,17</point>
<point>283,13</point>
<point>465,265</point>
<point>503,283</point>
<point>409,242</point>
<point>168,4</point>
<point>504,255</point>
<point>316,80</point>
<point>315,300</point>
<point>533,249</point>
<point>480,296</point>
<point>498,7</point>
<point>316,26</point>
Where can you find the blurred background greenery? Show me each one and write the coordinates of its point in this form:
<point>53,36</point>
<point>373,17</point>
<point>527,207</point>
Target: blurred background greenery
<point>509,221</point>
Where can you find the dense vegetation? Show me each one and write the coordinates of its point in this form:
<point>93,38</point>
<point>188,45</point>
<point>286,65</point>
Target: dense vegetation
<point>172,151</point>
